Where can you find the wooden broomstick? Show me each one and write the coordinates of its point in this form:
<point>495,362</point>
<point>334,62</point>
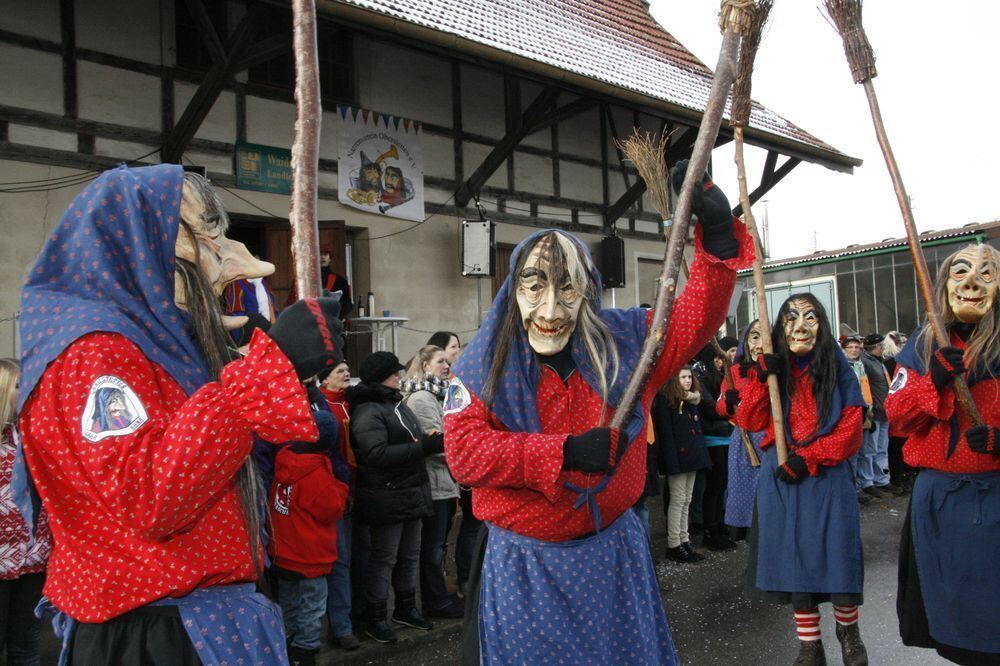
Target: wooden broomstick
<point>305,151</point>
<point>733,20</point>
<point>845,15</point>
<point>740,118</point>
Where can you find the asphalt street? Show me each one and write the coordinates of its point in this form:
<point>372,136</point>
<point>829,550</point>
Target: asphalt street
<point>712,620</point>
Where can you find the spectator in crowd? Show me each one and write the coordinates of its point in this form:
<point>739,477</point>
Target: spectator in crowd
<point>338,600</point>
<point>681,452</point>
<point>900,473</point>
<point>743,470</point>
<point>852,346</point>
<point>393,493</point>
<point>874,461</point>
<point>717,430</point>
<point>306,503</point>
<point>424,391</point>
<point>468,530</point>
<point>24,542</point>
<point>891,346</point>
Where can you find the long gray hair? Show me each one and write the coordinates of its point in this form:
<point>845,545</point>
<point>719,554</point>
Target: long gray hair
<point>983,346</point>
<point>567,263</point>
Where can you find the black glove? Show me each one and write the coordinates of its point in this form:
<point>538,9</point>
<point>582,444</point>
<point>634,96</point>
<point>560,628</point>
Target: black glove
<point>946,364</point>
<point>983,439</point>
<point>732,401</point>
<point>592,451</point>
<point>744,367</point>
<point>311,335</point>
<point>433,443</point>
<point>713,210</point>
<point>769,364</point>
<point>794,469</point>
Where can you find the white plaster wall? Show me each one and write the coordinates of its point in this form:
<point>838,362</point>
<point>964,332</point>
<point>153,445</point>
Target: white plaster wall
<point>30,79</point>
<point>112,95</point>
<point>127,28</point>
<point>404,82</point>
<point>533,173</point>
<point>473,155</point>
<point>581,135</point>
<point>38,18</point>
<point>35,136</point>
<point>482,102</point>
<point>579,181</point>
<point>220,123</point>
<point>270,122</point>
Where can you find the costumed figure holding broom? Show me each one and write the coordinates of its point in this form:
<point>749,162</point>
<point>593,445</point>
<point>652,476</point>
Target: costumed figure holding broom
<point>949,581</point>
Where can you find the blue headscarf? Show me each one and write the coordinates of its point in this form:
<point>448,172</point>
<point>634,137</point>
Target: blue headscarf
<point>514,403</point>
<point>741,348</point>
<point>109,266</point>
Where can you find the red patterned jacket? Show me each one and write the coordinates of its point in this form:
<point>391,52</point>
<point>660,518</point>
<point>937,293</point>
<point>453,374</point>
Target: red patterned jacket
<point>141,515</point>
<point>517,476</point>
<point>16,558</point>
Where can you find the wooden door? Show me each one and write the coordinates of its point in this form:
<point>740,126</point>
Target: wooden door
<point>279,252</point>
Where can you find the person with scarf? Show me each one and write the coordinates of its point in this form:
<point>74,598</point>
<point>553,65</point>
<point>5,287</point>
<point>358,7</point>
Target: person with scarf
<point>564,567</point>
<point>24,548</point>
<point>156,524</point>
<point>741,488</point>
<point>681,454</point>
<point>806,543</point>
<point>423,392</point>
<point>949,581</point>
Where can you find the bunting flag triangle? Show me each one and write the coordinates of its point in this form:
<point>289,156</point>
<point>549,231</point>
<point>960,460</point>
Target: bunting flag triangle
<point>395,121</point>
<point>354,113</point>
<point>343,111</point>
<point>385,120</point>
<point>364,114</point>
<point>406,124</point>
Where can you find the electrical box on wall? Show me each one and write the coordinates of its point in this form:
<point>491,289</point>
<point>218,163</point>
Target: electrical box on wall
<point>479,257</point>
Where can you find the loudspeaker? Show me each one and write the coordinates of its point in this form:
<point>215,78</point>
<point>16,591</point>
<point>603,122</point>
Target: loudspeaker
<point>479,257</point>
<point>612,262</point>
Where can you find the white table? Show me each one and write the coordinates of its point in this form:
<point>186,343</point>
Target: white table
<point>379,326</point>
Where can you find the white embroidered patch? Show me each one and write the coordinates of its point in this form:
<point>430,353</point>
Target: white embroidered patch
<point>112,409</point>
<point>899,381</point>
<point>457,398</point>
<point>283,498</point>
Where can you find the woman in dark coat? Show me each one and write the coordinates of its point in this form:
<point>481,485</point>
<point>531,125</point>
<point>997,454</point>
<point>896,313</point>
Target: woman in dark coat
<point>681,453</point>
<point>392,494</point>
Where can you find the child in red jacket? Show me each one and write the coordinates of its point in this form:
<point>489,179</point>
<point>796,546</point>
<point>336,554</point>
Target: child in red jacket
<point>306,502</point>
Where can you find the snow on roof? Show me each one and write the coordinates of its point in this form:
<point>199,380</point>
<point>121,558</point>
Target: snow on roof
<point>614,41</point>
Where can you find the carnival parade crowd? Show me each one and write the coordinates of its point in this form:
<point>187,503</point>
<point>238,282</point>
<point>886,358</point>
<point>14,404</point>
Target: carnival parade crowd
<point>188,494</point>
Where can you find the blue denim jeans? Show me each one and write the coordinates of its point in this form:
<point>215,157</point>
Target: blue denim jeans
<point>880,468</point>
<point>338,583</point>
<point>303,603</point>
<point>865,461</point>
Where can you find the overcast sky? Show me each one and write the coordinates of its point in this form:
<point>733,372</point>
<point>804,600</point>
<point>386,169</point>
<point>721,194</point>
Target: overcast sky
<point>937,86</point>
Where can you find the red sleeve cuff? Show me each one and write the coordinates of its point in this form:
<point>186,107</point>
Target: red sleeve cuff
<point>266,393</point>
<point>741,261</point>
<point>543,458</point>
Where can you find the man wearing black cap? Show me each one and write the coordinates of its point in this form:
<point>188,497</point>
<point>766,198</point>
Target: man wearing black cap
<point>874,460</point>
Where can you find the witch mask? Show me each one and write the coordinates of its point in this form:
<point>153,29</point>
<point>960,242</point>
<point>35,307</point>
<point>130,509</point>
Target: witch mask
<point>754,342</point>
<point>801,325</point>
<point>202,240</point>
<point>972,284</point>
<point>550,293</point>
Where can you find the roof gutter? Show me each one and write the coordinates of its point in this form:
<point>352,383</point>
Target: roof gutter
<point>830,159</point>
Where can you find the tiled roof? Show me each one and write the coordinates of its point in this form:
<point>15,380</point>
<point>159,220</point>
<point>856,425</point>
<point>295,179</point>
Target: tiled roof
<point>889,243</point>
<point>612,41</point>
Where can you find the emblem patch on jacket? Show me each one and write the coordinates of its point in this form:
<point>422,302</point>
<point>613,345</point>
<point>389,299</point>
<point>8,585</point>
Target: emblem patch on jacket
<point>457,398</point>
<point>283,498</point>
<point>112,410</point>
<point>899,381</point>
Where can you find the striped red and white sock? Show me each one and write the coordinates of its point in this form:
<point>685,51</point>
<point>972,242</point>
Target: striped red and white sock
<point>807,624</point>
<point>846,615</point>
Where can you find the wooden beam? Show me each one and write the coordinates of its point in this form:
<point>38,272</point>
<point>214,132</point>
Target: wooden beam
<point>564,112</point>
<point>206,30</point>
<point>264,51</point>
<point>505,148</point>
<point>605,183</point>
<point>67,29</point>
<point>625,201</point>
<point>215,80</point>
<point>456,121</point>
<point>767,184</point>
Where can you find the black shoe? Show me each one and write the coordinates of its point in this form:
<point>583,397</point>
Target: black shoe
<point>864,499</point>
<point>716,539</point>
<point>377,628</point>
<point>692,553</point>
<point>348,642</point>
<point>851,646</point>
<point>875,492</point>
<point>810,654</point>
<point>893,489</point>
<point>450,611</point>
<point>683,556</point>
<point>301,657</point>
<point>406,612</point>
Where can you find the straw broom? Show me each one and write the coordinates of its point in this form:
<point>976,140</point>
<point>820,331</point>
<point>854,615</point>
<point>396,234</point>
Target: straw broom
<point>733,20</point>
<point>740,119</point>
<point>305,151</point>
<point>845,15</point>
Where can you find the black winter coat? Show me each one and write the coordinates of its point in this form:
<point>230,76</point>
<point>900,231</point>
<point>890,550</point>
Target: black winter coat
<point>679,440</point>
<point>712,384</point>
<point>392,484</point>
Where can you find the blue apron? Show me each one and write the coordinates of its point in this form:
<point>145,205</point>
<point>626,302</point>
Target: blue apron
<point>955,522</point>
<point>742,486</point>
<point>227,624</point>
<point>809,532</point>
<point>588,601</point>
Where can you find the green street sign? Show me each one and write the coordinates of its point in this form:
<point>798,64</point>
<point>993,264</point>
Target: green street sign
<point>263,168</point>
